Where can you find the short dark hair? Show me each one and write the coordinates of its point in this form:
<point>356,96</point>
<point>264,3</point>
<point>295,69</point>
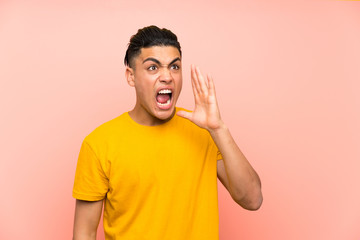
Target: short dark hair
<point>148,37</point>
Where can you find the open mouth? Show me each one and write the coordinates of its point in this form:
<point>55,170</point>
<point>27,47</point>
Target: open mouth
<point>163,97</point>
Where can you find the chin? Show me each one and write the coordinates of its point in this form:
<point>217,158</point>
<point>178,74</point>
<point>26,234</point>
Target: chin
<point>165,115</point>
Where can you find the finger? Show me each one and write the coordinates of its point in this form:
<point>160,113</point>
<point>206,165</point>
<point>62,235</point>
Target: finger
<point>184,114</point>
<point>194,86</point>
<point>195,92</point>
<point>211,85</point>
<point>194,80</point>
<point>201,80</point>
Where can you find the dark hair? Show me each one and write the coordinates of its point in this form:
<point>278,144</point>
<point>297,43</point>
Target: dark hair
<point>148,37</point>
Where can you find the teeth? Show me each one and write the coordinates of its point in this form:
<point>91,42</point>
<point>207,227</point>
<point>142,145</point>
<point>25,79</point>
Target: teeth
<point>163,104</point>
<point>165,91</point>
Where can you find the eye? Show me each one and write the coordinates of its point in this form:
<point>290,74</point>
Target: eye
<point>175,67</point>
<point>152,68</point>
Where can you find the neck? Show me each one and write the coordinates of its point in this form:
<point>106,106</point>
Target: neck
<point>143,117</point>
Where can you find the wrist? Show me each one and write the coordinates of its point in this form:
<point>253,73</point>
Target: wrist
<point>221,127</point>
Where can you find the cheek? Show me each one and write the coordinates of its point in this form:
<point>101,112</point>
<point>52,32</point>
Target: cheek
<point>145,88</point>
<point>180,86</point>
<point>179,82</point>
<point>144,91</point>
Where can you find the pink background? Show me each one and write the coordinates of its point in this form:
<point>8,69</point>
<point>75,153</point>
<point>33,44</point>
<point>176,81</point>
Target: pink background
<point>287,77</point>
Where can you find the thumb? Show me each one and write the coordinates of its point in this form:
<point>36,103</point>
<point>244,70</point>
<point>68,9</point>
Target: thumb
<point>184,114</point>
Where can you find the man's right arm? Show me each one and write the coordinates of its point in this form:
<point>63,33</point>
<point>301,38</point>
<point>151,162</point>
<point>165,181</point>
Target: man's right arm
<point>87,217</point>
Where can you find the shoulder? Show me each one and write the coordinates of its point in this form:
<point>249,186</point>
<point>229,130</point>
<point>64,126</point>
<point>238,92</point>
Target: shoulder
<point>186,124</point>
<point>108,129</point>
<point>182,109</point>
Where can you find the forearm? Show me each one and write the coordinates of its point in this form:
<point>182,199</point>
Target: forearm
<point>244,182</point>
<point>84,236</point>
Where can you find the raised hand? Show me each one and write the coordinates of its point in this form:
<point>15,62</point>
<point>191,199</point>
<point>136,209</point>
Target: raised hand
<point>242,182</point>
<point>206,113</point>
<point>235,171</point>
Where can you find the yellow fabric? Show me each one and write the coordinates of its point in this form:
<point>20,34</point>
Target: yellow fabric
<point>159,182</point>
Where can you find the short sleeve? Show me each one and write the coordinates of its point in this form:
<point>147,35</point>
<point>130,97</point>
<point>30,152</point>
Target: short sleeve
<point>91,182</point>
<point>218,153</point>
<point>219,156</point>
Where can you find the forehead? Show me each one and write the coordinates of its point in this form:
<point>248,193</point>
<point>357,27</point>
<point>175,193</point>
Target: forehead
<point>165,54</point>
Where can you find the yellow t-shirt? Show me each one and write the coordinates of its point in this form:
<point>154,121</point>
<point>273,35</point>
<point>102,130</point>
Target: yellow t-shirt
<point>159,182</point>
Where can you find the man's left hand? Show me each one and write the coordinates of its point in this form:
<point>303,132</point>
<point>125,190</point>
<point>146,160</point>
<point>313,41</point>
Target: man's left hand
<point>206,113</point>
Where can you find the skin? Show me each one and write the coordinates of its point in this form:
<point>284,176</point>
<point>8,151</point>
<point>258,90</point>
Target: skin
<point>155,67</point>
<point>234,170</point>
<point>86,221</point>
<point>160,67</point>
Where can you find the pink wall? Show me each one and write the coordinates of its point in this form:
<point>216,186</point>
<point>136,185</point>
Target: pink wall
<point>287,77</point>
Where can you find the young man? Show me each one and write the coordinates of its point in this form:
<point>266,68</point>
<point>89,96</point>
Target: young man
<point>155,167</point>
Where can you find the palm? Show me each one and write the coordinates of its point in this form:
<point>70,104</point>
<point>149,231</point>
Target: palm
<point>206,113</point>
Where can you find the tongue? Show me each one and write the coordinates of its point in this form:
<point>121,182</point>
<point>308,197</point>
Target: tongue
<point>162,98</point>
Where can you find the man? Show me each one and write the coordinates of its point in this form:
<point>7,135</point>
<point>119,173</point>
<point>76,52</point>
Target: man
<point>155,166</point>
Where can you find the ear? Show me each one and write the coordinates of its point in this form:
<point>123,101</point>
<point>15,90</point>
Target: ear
<point>129,75</point>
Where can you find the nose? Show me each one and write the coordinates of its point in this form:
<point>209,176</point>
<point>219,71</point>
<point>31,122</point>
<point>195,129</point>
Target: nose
<point>165,75</point>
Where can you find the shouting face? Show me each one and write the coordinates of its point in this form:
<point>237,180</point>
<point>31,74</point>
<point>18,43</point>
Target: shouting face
<point>157,78</point>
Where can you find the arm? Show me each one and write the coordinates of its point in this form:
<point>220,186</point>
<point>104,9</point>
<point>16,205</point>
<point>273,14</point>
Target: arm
<point>234,171</point>
<point>87,217</point>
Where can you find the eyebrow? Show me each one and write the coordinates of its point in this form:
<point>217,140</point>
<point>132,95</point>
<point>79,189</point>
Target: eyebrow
<point>158,62</point>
